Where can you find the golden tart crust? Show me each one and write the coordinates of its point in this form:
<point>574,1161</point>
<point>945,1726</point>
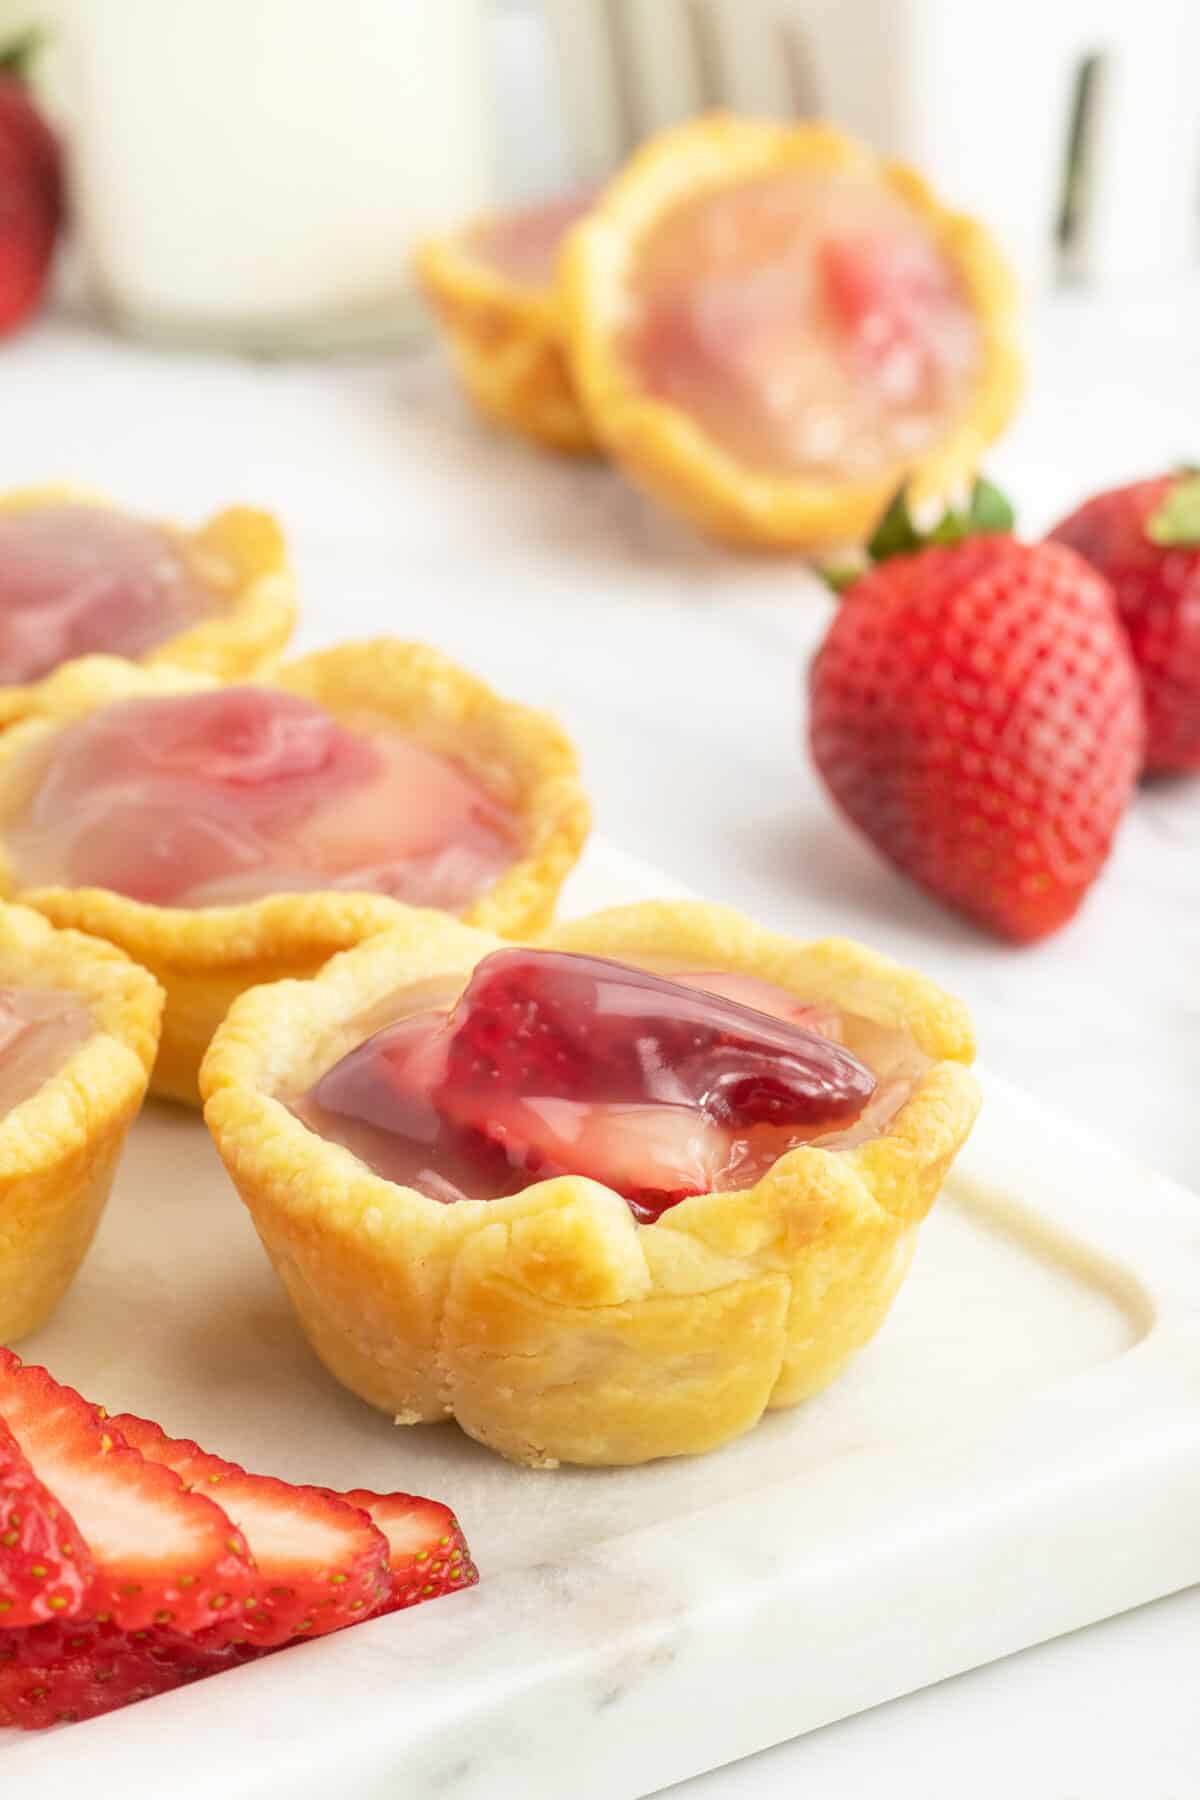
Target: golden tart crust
<point>257,606</point>
<point>506,342</point>
<point>59,1148</point>
<point>205,957</point>
<point>551,1324</point>
<point>662,447</point>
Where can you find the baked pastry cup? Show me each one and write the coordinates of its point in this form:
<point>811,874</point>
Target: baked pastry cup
<point>204,957</point>
<point>239,557</point>
<point>668,450</point>
<point>503,329</point>
<point>59,1146</point>
<point>551,1324</point>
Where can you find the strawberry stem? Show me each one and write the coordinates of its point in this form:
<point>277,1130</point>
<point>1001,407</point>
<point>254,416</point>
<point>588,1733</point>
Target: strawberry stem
<point>17,59</point>
<point>897,534</point>
<point>843,574</point>
<point>1176,524</point>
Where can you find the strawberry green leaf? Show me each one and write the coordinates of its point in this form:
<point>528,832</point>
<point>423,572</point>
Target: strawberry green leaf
<point>1176,524</point>
<point>17,58</point>
<point>990,510</point>
<point>987,510</point>
<point>895,534</point>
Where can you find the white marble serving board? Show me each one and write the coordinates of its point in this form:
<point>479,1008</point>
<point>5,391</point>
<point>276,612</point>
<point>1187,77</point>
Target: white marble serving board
<point>1017,1454</point>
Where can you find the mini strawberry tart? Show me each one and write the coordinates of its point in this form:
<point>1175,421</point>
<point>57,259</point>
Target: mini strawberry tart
<point>226,836</point>
<point>770,329</point>
<point>79,1028</point>
<point>79,577</point>
<point>492,287</point>
<point>603,1199</point>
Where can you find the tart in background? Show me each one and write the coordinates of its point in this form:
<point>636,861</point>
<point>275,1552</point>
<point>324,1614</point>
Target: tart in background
<point>567,1321</point>
<point>78,576</point>
<point>79,1026</point>
<point>224,836</point>
<point>770,330</point>
<point>492,287</point>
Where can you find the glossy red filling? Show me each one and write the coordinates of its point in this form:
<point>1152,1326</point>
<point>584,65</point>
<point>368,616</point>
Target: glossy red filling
<point>214,798</point>
<point>552,1064</point>
<point>81,579</point>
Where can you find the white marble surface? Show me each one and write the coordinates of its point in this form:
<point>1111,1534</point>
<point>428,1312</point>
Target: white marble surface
<point>677,668</point>
<point>963,1490</point>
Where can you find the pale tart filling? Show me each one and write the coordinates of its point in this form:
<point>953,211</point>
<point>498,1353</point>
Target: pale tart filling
<point>77,580</point>
<point>695,1089</point>
<point>523,246</point>
<point>806,320</point>
<point>40,1028</point>
<point>219,797</point>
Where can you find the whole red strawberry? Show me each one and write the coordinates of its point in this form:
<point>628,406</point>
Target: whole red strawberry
<point>31,203</point>
<point>975,712</point>
<point>1145,539</point>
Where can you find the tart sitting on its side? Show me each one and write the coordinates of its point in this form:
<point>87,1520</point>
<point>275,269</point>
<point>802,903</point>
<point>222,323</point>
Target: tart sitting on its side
<point>604,1200</point>
<point>226,836</point>
<point>79,1029</point>
<point>80,577</point>
<point>492,286</point>
<point>771,330</point>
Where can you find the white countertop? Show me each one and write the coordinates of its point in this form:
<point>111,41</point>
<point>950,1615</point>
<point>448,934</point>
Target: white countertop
<point>678,669</point>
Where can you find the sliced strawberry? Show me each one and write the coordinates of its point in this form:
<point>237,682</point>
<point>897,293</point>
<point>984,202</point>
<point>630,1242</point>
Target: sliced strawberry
<point>654,1155</point>
<point>163,1555</point>
<point>542,1025</point>
<point>395,1084</point>
<point>427,1552</point>
<point>577,1065</point>
<point>54,1675</point>
<point>427,1557</point>
<point>46,1569</point>
<point>69,1670</point>
<point>556,1064</point>
<point>321,1563</point>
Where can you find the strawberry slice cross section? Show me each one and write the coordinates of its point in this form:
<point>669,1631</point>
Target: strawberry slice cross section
<point>320,1562</point>
<point>46,1569</point>
<point>163,1555</point>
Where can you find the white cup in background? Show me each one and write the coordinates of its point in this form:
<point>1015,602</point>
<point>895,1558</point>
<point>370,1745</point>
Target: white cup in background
<point>253,173</point>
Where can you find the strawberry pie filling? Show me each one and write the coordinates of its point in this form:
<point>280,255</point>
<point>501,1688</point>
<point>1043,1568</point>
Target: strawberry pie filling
<point>660,1086</point>
<point>806,320</point>
<point>214,798</point>
<point>523,246</point>
<point>39,1029</point>
<point>81,579</point>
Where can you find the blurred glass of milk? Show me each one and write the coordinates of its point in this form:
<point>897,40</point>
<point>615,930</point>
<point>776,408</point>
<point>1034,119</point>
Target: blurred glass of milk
<point>253,173</point>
